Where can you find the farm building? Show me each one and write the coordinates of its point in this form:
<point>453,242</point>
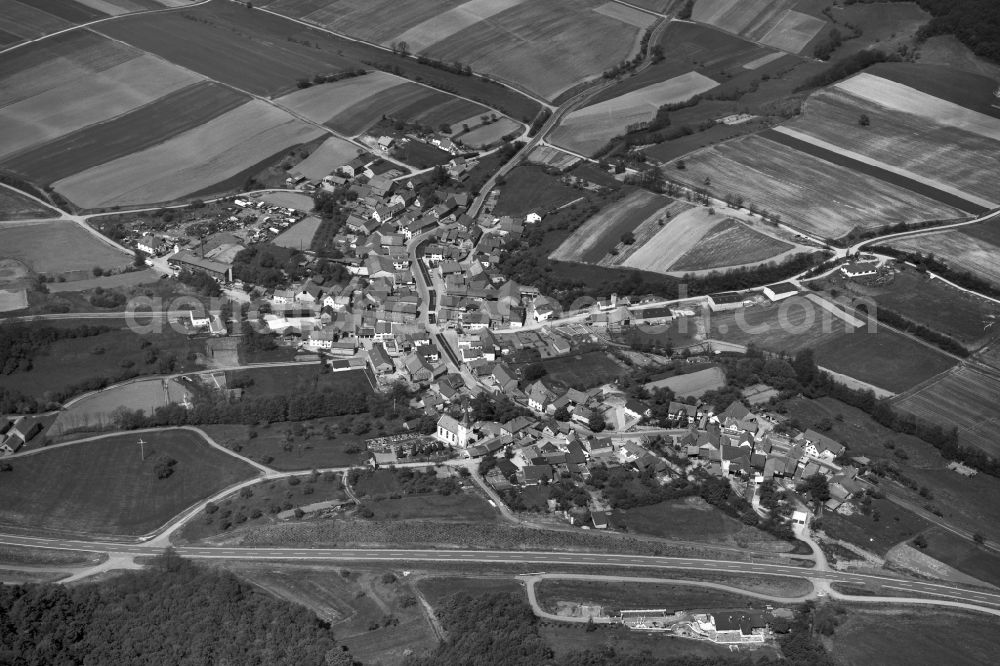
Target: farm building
<point>858,269</point>
<point>778,292</point>
<point>185,260</point>
<point>730,300</point>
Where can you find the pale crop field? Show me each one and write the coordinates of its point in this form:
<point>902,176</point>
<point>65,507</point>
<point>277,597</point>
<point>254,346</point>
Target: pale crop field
<point>88,100</point>
<point>694,383</point>
<point>544,47</point>
<point>322,103</point>
<point>626,14</point>
<point>793,31</point>
<point>58,247</point>
<point>936,151</point>
<point>771,22</point>
<point>487,134</point>
<point>428,33</point>
<point>810,194</point>
<point>757,63</point>
<point>299,236</point>
<point>192,161</point>
<point>31,70</point>
<point>586,130</point>
<point>672,241</point>
<point>553,157</point>
<point>331,154</point>
<point>897,97</point>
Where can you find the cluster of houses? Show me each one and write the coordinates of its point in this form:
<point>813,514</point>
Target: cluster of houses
<point>14,434</point>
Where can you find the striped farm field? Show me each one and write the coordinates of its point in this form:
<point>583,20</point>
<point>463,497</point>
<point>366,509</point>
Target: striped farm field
<point>772,22</point>
<point>809,193</point>
<point>602,232</point>
<point>192,161</point>
<point>968,398</point>
<point>544,47</point>
<point>901,134</point>
<point>22,20</point>
<point>130,132</point>
<point>588,129</point>
<point>88,100</point>
<point>351,106</point>
<point>59,60</point>
<point>960,250</point>
<point>253,51</point>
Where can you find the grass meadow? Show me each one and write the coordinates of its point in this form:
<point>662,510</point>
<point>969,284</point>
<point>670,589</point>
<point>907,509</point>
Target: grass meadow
<point>104,487</point>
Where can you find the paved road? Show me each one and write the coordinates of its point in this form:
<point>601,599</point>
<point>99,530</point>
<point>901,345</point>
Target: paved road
<point>919,588</point>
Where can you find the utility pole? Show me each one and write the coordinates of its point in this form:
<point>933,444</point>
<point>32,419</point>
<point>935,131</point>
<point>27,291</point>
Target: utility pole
<point>142,448</point>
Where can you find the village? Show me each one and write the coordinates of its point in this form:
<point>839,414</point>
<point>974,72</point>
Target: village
<point>423,303</point>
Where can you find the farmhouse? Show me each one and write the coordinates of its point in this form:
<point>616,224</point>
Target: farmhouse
<point>858,269</point>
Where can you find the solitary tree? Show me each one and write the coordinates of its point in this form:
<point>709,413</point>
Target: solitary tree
<point>596,422</point>
<point>864,120</point>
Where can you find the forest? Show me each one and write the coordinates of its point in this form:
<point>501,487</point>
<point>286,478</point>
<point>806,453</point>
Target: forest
<point>176,612</point>
<point>976,23</point>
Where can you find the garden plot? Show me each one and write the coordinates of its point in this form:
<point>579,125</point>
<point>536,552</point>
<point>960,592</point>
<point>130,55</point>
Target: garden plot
<point>586,130</point>
<point>809,193</point>
<point>88,100</point>
<point>192,161</point>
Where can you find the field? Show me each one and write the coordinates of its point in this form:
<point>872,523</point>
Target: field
<point>730,243</point>
<point>359,604</point>
<point>973,504</point>
<point>351,106</point>
<point>697,240</point>
<point>601,233</point>
<point>965,144</point>
<point>462,507</point>
<point>290,380</point>
<point>326,442</point>
<point>507,40</point>
<point>96,412</point>
<point>967,318</point>
<point>884,358</point>
<point>486,135</point>
<point>530,190</point>
<point>689,520</point>
<point>811,194</point>
<point>330,155</point>
<point>120,136</point>
<point>16,206</point>
<point>553,157</point>
<point>299,236</point>
<point>770,22</point>
<point>968,398</point>
<point>963,555</point>
<point>224,146</point>
<point>58,248</point>
<point>584,371</point>
<point>71,361</point>
<point>588,129</point>
<point>969,249</point>
<point>692,384</point>
<point>906,637</point>
<point>617,596</point>
<point>86,100</point>
<point>104,487</point>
